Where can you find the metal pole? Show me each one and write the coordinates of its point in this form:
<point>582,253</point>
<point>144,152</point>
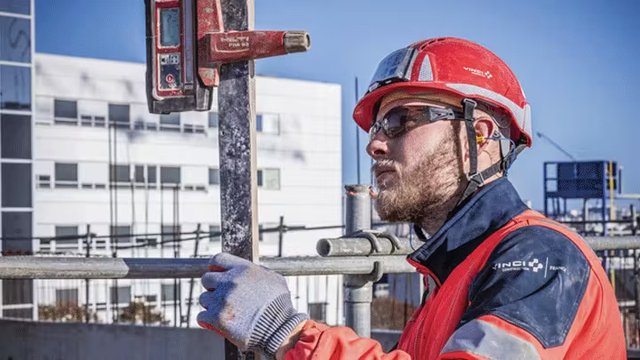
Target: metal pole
<point>177,291</point>
<point>634,220</point>
<point>544,183</point>
<point>358,208</point>
<point>195,255</point>
<point>86,281</point>
<point>36,267</point>
<point>358,289</point>
<point>280,236</point>
<point>358,246</point>
<point>237,144</point>
<point>357,138</point>
<point>585,214</point>
<point>237,140</point>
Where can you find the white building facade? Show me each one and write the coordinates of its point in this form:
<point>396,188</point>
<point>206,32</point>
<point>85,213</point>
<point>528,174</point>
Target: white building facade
<point>142,184</point>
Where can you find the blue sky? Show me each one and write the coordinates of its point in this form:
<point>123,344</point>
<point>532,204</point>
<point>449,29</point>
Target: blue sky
<point>577,61</point>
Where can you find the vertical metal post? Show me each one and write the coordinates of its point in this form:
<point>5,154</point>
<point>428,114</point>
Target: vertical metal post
<point>88,241</point>
<point>634,219</point>
<point>174,242</point>
<point>280,236</point>
<point>358,289</point>
<point>237,144</point>
<point>358,208</point>
<point>603,210</point>
<point>544,183</point>
<point>236,104</point>
<point>585,215</point>
<point>195,255</point>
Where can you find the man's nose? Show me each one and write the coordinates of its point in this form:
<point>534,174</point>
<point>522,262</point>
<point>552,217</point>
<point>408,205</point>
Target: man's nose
<point>378,147</point>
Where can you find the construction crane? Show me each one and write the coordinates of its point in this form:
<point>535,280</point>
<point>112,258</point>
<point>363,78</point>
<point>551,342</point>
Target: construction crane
<point>555,144</point>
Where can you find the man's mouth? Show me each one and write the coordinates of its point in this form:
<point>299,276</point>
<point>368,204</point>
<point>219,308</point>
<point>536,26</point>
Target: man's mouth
<point>383,174</point>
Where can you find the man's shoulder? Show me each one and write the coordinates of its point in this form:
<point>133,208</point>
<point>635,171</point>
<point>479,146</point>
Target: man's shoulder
<point>537,239</point>
<point>535,278</point>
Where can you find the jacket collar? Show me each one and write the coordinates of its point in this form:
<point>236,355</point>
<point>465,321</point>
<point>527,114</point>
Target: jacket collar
<point>485,212</point>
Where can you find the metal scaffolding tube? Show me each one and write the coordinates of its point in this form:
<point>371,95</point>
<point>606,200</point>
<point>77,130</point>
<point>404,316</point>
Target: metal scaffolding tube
<point>33,267</point>
<point>37,267</point>
<point>358,246</point>
<point>613,242</point>
<point>358,289</point>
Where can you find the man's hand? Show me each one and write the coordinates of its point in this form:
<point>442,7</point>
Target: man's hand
<point>247,304</point>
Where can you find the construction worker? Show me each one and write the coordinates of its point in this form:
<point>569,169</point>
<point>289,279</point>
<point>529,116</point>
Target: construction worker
<point>446,118</point>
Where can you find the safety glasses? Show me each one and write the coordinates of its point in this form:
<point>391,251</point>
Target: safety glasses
<point>401,119</point>
<point>395,67</point>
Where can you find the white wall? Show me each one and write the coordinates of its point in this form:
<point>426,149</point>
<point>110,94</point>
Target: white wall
<point>301,139</point>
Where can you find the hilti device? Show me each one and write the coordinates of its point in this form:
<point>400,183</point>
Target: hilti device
<point>172,82</point>
<point>186,44</point>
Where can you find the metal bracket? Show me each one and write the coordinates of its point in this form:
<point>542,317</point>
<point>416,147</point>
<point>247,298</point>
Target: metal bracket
<point>361,280</point>
<point>373,235</point>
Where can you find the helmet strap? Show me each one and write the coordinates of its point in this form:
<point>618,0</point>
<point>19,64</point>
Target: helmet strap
<point>475,179</point>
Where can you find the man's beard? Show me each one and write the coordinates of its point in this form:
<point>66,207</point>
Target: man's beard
<point>427,192</point>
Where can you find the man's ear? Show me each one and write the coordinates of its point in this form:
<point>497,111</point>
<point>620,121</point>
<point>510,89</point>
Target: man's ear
<point>484,127</point>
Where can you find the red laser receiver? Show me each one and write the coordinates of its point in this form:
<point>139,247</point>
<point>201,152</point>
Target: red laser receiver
<point>186,44</point>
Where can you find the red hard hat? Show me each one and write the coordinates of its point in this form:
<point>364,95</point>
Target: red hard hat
<point>454,66</point>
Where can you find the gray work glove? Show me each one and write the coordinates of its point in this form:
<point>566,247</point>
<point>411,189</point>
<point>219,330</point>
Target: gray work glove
<point>247,304</point>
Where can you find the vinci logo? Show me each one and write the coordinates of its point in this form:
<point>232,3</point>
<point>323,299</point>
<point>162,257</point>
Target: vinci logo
<point>524,265</point>
<point>478,72</point>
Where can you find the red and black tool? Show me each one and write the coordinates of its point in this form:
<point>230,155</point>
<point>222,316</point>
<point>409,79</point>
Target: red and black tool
<point>187,43</point>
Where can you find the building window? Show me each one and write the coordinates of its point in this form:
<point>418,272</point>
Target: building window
<point>138,174</point>
<point>317,311</point>
<point>120,175</point>
<point>99,121</point>
<point>18,313</point>
<point>15,134</point>
<point>168,292</point>
<point>15,42</point>
<point>67,237</point>
<point>152,176</point>
<point>215,233</point>
<point>16,185</point>
<point>44,181</point>
<point>214,176</point>
<point>193,129</point>
<point>17,7</point>
<point>120,294</point>
<point>15,82</point>
<point>17,291</point>
<point>66,296</point>
<point>65,112</point>
<point>170,236</point>
<point>66,175</point>
<point>17,224</point>
<point>268,123</point>
<point>119,115</point>
<point>269,179</point>
<point>213,119</point>
<point>170,122</point>
<point>86,120</point>
<point>150,299</point>
<point>120,235</point>
<point>170,176</point>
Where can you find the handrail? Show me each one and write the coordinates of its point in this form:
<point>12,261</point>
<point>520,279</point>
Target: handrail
<point>37,267</point>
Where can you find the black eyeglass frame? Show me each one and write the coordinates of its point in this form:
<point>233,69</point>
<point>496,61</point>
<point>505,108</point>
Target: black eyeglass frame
<point>400,115</point>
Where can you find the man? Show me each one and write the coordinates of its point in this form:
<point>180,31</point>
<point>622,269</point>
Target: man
<point>446,118</point>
